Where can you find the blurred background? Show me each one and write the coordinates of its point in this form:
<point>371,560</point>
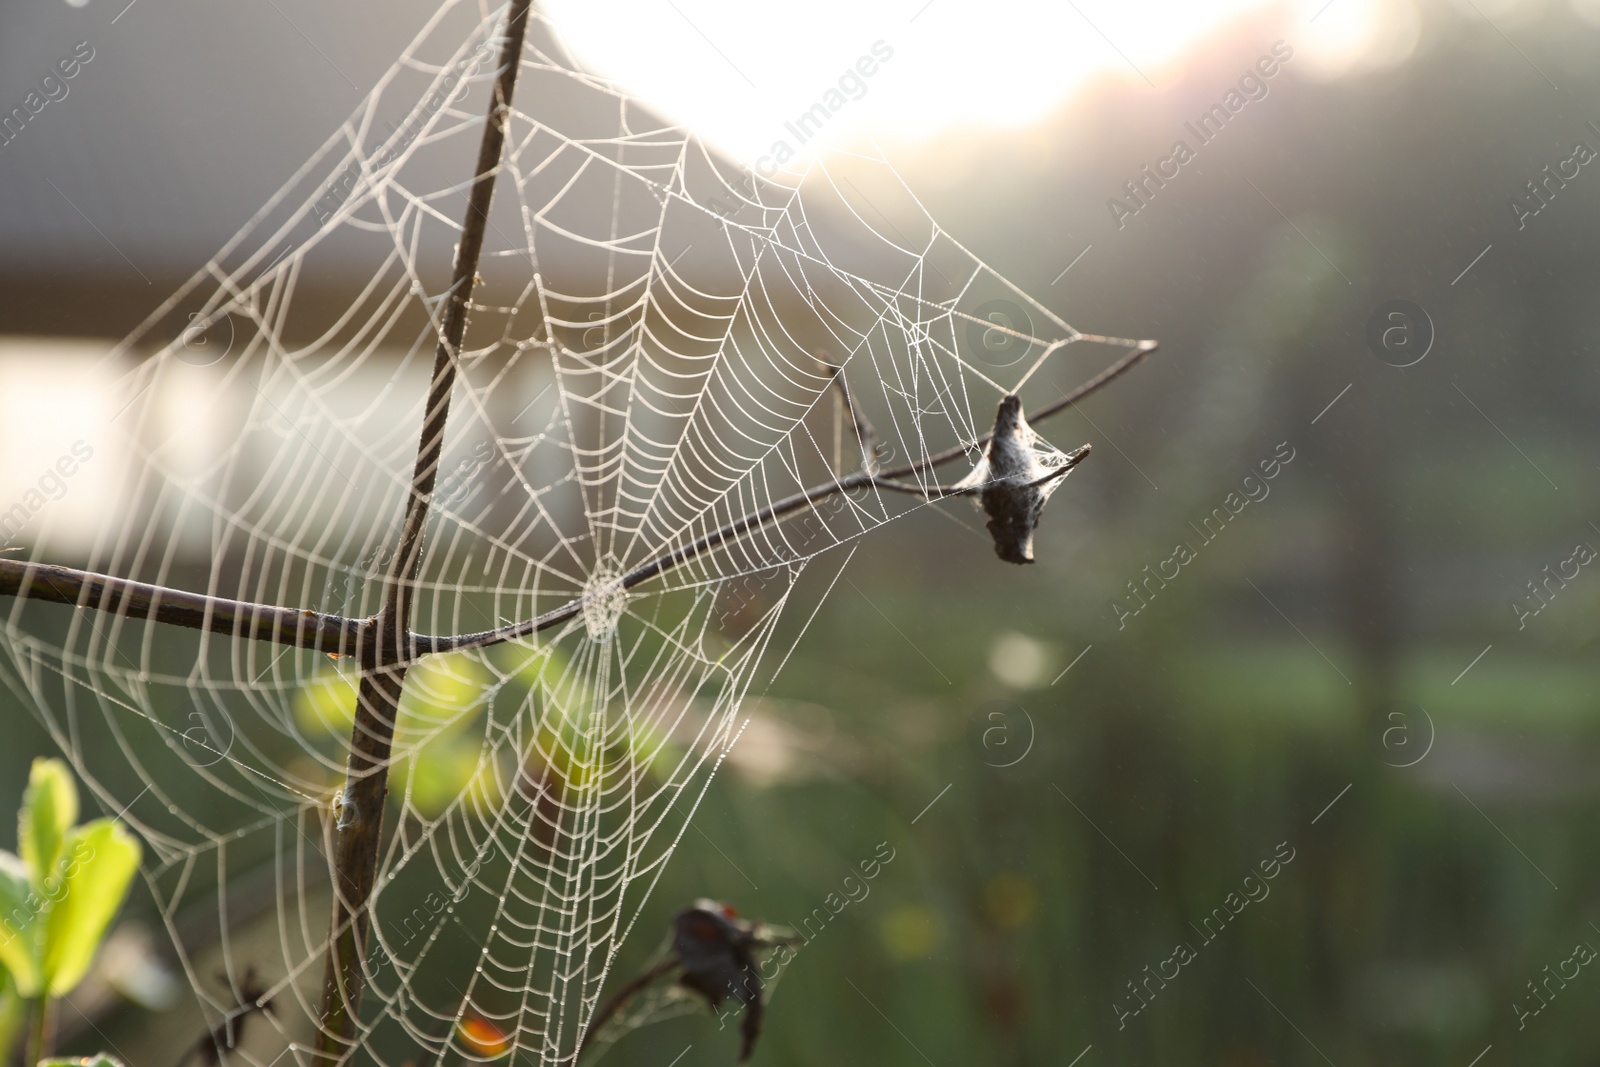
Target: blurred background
<point>1371,425</point>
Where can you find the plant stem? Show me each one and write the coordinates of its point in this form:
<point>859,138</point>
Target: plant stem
<point>39,1030</point>
<point>385,650</point>
<point>333,633</point>
<point>755,520</point>
<point>154,603</point>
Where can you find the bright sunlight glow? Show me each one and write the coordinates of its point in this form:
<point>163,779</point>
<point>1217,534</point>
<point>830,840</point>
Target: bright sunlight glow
<point>742,75</point>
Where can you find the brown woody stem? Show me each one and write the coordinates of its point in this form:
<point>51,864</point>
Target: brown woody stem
<point>384,659</point>
<point>154,603</point>
<point>332,633</point>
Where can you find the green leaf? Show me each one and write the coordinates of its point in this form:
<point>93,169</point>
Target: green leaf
<point>101,857</point>
<point>19,935</point>
<point>99,1059</point>
<point>49,808</point>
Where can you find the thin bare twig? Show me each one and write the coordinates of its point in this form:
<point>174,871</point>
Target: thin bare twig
<point>943,492</point>
<point>617,1000</point>
<point>144,602</point>
<point>225,613</point>
<point>756,520</point>
<point>866,436</point>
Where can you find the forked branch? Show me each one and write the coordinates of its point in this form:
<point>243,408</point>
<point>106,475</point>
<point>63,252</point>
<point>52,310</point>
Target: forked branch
<point>384,644</point>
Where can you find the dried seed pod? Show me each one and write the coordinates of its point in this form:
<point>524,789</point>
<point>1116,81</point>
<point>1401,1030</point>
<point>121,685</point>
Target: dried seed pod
<point>716,950</point>
<point>1014,479</point>
<point>716,955</point>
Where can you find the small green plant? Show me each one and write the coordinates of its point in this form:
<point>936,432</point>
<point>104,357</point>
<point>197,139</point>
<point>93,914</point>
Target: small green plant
<point>57,896</point>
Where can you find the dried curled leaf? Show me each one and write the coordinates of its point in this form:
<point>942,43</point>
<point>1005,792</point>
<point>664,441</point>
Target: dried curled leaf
<point>717,951</point>
<point>1014,478</point>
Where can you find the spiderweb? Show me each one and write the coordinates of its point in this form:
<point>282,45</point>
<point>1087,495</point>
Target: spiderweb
<point>642,369</point>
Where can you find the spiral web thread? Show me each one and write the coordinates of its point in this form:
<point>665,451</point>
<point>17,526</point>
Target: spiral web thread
<point>641,369</point>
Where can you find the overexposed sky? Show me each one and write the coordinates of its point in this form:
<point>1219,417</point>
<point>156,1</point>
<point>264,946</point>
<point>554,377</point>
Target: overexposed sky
<point>738,72</point>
